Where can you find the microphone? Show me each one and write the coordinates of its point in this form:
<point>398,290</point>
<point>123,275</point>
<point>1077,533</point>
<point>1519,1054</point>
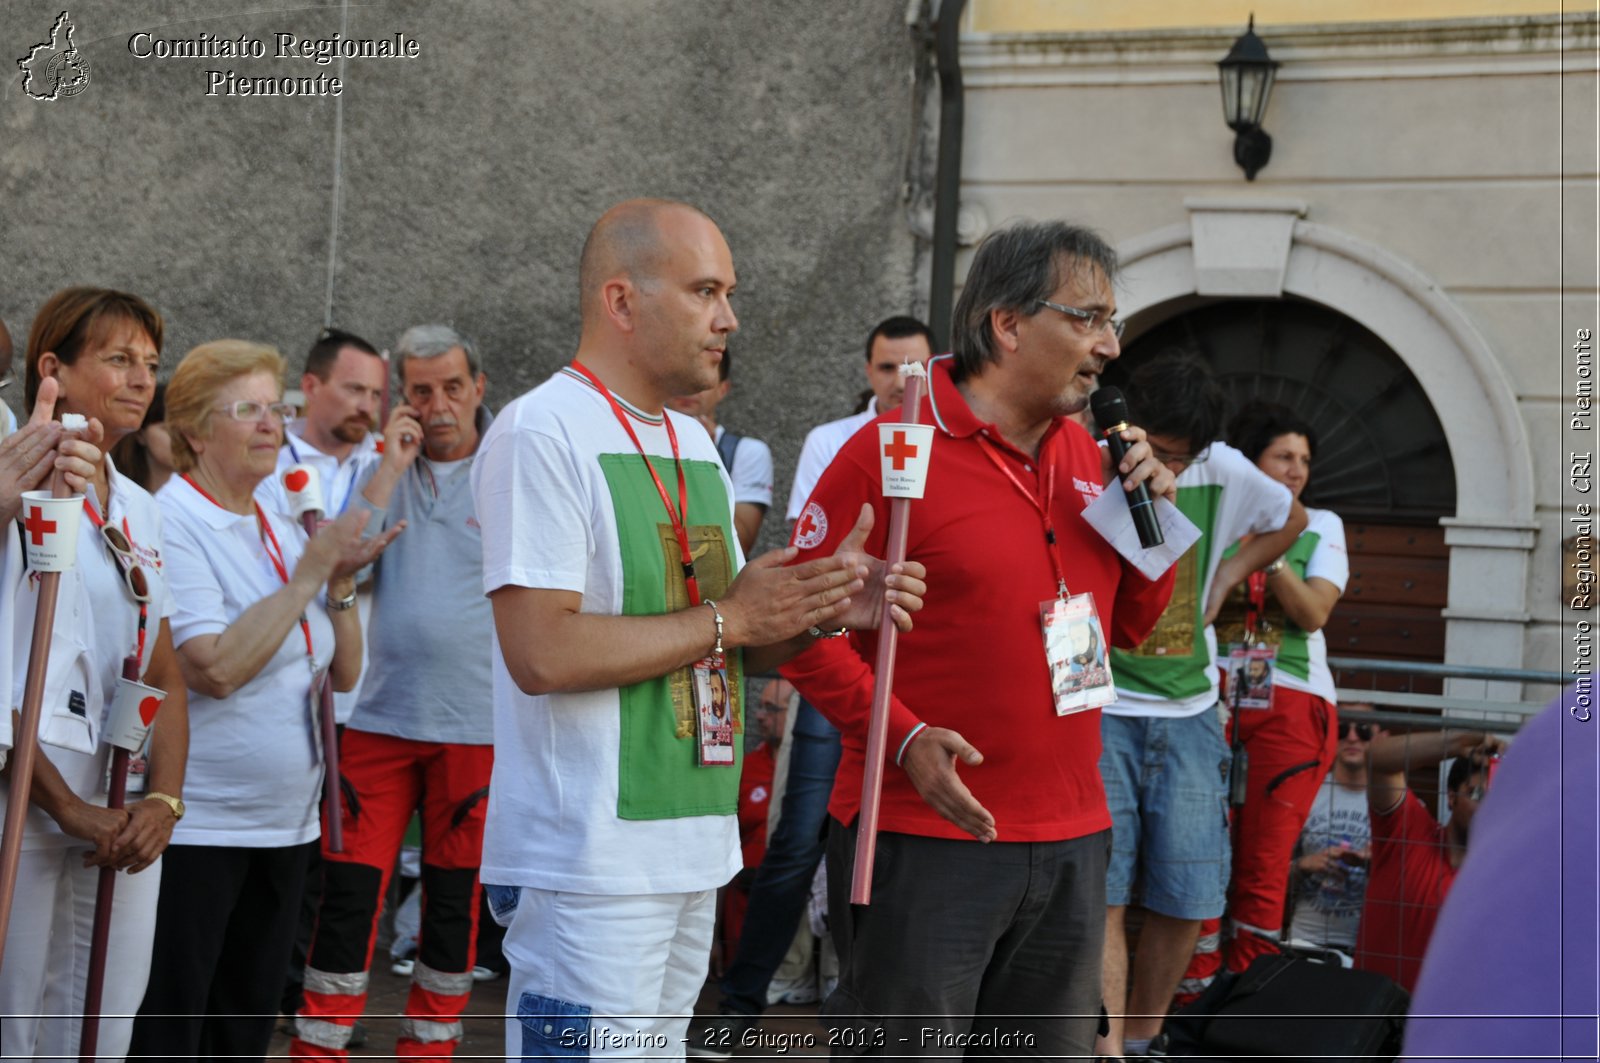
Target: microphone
<point>1111,416</point>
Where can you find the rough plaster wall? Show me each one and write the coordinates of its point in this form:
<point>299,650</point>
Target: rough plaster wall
<point>468,177</point>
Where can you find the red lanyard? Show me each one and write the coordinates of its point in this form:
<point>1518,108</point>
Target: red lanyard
<point>1255,604</point>
<point>678,517</point>
<point>1043,506</point>
<point>116,559</point>
<point>269,543</point>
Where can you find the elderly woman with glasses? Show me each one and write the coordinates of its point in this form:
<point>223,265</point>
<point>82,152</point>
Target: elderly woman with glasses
<point>1291,741</point>
<point>95,353</point>
<point>262,613</point>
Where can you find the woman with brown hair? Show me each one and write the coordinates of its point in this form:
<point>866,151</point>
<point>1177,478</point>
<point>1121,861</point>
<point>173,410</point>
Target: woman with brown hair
<point>98,351</point>
<point>262,613</point>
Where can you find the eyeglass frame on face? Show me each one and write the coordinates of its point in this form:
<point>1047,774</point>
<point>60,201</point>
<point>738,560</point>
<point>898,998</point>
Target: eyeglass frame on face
<point>1117,325</point>
<point>128,562</point>
<point>1347,726</point>
<point>283,411</point>
<point>1184,460</point>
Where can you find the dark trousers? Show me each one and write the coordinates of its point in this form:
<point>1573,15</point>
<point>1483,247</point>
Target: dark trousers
<point>782,882</point>
<point>968,949</point>
<point>224,927</point>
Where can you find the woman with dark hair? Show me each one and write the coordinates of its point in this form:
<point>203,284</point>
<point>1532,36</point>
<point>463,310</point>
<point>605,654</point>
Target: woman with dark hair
<point>98,350</point>
<point>145,457</point>
<point>262,613</point>
<point>1291,744</point>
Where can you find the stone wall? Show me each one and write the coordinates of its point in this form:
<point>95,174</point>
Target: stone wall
<point>458,186</point>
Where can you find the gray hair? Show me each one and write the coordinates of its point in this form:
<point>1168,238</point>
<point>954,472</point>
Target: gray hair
<point>430,341</point>
<point>1013,269</point>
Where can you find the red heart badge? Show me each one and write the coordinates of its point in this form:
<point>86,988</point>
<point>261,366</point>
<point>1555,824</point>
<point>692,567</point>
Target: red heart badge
<point>296,479</point>
<point>147,709</point>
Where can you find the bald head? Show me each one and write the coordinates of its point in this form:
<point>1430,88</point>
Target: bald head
<point>628,240</point>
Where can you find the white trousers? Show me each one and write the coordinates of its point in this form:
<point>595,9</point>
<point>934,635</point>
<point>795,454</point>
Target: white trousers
<point>47,955</point>
<point>616,976</point>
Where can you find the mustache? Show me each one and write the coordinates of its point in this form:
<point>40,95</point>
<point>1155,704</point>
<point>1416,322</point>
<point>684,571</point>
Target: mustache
<point>443,420</point>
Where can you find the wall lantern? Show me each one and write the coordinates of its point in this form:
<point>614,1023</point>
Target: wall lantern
<point>1247,75</point>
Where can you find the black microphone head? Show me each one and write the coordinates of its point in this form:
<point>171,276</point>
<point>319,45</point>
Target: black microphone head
<point>1109,407</point>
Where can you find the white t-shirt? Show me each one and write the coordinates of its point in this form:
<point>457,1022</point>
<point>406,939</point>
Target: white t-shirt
<point>557,483</point>
<point>1228,498</point>
<point>255,767</point>
<point>96,626</point>
<point>817,452</point>
<point>1327,908</point>
<point>752,470</point>
<point>340,482</point>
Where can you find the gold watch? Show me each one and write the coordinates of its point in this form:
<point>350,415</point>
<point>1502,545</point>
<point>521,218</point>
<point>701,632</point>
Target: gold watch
<point>174,803</point>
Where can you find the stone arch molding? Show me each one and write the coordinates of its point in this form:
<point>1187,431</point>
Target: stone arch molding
<point>1263,248</point>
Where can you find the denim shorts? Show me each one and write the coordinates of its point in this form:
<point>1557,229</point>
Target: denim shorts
<point>1166,784</point>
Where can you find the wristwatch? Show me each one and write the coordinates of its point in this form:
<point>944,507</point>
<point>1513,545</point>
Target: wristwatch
<point>1276,567</point>
<point>339,605</point>
<point>174,803</point>
<point>817,633</point>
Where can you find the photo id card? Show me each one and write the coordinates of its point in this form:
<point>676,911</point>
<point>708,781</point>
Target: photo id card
<point>1250,674</point>
<point>713,712</point>
<point>1075,646</point>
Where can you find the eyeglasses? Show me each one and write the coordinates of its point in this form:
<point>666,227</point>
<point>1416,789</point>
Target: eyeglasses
<point>250,410</point>
<point>1186,460</point>
<point>132,570</point>
<point>1363,730</point>
<point>1088,322</point>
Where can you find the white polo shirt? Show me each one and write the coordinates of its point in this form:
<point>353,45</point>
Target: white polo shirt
<point>96,626</point>
<point>817,452</point>
<point>255,771</point>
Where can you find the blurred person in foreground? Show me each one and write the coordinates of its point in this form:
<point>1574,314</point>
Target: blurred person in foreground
<point>262,613</point>
<point>1513,969</point>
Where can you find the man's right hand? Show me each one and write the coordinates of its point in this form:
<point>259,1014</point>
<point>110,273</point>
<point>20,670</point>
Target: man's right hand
<point>402,437</point>
<point>930,762</point>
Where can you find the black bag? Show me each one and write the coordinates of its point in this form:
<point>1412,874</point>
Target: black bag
<point>1286,1007</point>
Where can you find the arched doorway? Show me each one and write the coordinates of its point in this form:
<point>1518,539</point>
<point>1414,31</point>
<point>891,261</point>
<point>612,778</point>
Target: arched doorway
<point>1260,247</point>
<point>1382,462</point>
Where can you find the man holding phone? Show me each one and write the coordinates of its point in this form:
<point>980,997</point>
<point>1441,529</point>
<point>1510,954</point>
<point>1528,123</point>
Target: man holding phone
<point>421,738</point>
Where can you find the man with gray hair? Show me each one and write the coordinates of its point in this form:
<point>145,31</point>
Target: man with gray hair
<point>985,931</point>
<point>421,738</point>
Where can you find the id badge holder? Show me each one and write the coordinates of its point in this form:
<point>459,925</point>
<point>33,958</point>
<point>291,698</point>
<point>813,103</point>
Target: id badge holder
<point>1075,647</point>
<point>1250,673</point>
<point>713,712</point>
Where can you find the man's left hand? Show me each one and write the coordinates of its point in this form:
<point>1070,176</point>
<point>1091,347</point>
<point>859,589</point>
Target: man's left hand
<point>902,586</point>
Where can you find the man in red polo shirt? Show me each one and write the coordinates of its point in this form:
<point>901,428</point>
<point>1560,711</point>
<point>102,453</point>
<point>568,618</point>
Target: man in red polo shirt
<point>987,918</point>
<point>1414,858</point>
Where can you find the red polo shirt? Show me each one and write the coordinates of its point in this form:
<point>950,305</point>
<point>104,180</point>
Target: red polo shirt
<point>975,661</point>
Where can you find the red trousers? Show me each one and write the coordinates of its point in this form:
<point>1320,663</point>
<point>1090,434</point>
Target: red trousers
<point>1291,747</point>
<point>384,781</point>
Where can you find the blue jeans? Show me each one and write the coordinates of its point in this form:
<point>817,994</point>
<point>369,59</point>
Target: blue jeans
<point>1166,782</point>
<point>783,881</point>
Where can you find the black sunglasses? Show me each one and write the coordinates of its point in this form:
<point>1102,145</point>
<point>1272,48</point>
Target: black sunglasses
<point>1363,730</point>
